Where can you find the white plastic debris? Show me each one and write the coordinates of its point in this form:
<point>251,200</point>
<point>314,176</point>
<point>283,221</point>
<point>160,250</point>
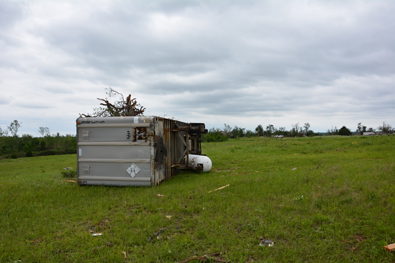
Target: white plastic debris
<point>266,243</point>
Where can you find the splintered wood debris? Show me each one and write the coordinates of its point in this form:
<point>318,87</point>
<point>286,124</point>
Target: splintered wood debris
<point>390,247</point>
<point>222,187</point>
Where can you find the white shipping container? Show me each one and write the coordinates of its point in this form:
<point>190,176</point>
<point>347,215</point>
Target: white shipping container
<point>135,151</point>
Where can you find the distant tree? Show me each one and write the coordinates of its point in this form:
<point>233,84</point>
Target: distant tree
<point>333,131</point>
<point>306,127</point>
<point>344,131</point>
<point>295,130</point>
<point>14,127</point>
<point>259,130</point>
<point>227,129</point>
<point>310,133</point>
<point>250,133</point>
<point>296,126</point>
<point>237,132</point>
<point>371,130</point>
<point>385,129</point>
<point>1,132</point>
<point>43,131</point>
<point>359,128</point>
<point>270,130</point>
<point>282,131</point>
<point>214,135</point>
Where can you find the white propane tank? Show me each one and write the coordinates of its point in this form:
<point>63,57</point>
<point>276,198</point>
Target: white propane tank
<point>200,163</point>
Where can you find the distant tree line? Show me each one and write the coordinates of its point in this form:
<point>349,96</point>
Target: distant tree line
<point>229,132</point>
<point>15,146</point>
<point>361,129</point>
<point>297,130</point>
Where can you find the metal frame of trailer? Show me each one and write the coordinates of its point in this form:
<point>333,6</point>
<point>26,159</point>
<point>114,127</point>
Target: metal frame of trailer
<point>134,151</point>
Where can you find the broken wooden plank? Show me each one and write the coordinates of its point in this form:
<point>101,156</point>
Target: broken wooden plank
<point>390,247</point>
<point>222,187</point>
<point>70,180</point>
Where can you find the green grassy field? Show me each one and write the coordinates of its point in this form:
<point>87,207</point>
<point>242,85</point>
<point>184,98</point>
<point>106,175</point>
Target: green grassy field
<point>320,199</point>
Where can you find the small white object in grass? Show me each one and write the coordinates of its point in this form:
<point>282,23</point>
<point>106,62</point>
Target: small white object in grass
<point>96,234</point>
<point>294,168</point>
<point>266,242</point>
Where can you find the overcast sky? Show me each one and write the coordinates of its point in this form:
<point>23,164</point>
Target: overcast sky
<point>244,63</point>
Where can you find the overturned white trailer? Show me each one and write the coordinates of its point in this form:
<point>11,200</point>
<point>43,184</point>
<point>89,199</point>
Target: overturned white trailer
<point>137,151</point>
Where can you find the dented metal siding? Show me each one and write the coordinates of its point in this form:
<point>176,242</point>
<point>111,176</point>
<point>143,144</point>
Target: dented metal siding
<point>114,151</point>
<point>167,153</point>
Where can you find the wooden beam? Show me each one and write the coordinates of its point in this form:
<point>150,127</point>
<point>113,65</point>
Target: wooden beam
<point>390,247</point>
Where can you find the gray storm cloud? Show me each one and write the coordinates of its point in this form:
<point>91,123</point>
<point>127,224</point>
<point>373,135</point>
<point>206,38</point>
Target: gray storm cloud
<point>238,62</point>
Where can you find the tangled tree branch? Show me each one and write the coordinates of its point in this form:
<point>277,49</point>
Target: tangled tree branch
<point>122,107</point>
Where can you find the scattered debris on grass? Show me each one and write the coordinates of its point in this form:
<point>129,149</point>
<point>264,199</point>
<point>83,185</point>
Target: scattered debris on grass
<point>294,168</point>
<point>319,165</point>
<point>70,180</point>
<point>266,243</point>
<point>156,234</point>
<point>390,247</point>
<point>123,252</point>
<point>160,195</point>
<point>206,258</point>
<point>96,234</point>
<point>169,217</point>
<point>222,187</point>
<point>299,198</point>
